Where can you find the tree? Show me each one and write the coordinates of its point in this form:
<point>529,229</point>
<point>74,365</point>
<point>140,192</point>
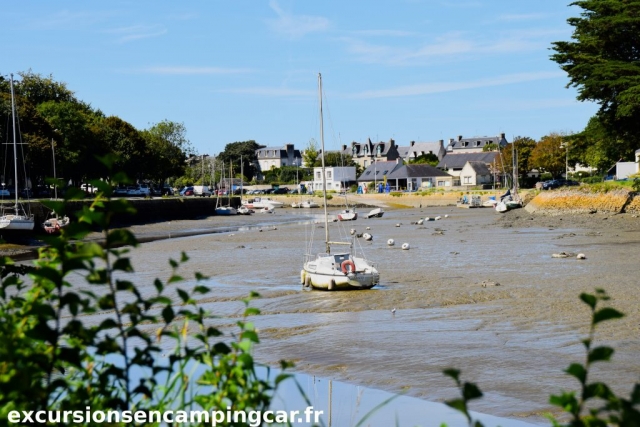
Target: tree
<point>245,149</point>
<point>524,146</point>
<point>603,62</point>
<point>428,159</point>
<point>126,142</point>
<point>310,154</point>
<point>168,147</point>
<point>548,155</point>
<point>596,146</point>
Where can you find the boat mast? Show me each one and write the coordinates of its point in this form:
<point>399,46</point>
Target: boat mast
<point>324,180</point>
<point>15,150</point>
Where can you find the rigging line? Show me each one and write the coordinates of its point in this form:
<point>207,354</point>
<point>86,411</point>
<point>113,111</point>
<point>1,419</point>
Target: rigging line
<point>328,110</point>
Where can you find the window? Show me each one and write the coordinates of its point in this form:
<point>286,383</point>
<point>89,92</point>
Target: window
<point>466,180</point>
<point>478,143</point>
<point>318,176</point>
<point>328,174</point>
<point>368,172</point>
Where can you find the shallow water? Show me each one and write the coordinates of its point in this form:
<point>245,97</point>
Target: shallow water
<point>513,339</point>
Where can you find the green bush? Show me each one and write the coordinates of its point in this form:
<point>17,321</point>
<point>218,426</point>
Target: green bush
<point>55,358</point>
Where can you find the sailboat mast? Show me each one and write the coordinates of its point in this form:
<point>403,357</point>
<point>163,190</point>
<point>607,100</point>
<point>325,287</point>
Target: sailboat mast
<point>324,179</point>
<point>15,150</point>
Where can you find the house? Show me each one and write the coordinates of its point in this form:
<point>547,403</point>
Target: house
<point>401,176</point>
<point>626,169</point>
<point>337,178</point>
<point>276,157</point>
<point>417,149</point>
<point>475,144</point>
<point>364,154</point>
<point>453,163</point>
<point>475,173</point>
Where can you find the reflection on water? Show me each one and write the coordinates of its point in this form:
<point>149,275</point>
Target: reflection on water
<point>345,405</point>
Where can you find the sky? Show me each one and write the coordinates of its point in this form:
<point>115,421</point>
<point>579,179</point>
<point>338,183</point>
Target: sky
<point>408,70</point>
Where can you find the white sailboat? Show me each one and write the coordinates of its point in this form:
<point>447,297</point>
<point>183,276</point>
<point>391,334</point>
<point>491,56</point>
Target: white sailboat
<point>511,199</point>
<point>55,223</point>
<point>227,210</point>
<point>15,217</point>
<point>335,270</point>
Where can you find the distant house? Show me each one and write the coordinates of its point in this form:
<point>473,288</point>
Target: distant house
<point>453,163</point>
<point>475,144</point>
<point>276,157</point>
<point>475,173</point>
<point>402,176</point>
<point>626,169</point>
<point>364,154</point>
<point>337,178</point>
<point>417,149</point>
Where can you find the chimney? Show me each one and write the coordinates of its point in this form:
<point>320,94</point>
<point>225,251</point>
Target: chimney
<point>391,142</point>
<point>413,143</point>
<point>398,161</point>
<point>344,147</point>
<point>459,137</point>
<point>502,135</point>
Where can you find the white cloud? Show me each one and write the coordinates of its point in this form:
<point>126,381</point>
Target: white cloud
<point>295,26</point>
<point>137,32</point>
<point>521,17</point>
<point>429,88</point>
<point>182,70</point>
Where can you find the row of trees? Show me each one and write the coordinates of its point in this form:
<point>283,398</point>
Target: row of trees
<point>50,115</point>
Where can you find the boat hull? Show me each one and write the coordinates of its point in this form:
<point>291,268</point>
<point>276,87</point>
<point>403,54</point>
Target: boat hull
<point>337,282</point>
<point>16,222</point>
<point>375,213</point>
<point>347,216</point>
<point>226,211</point>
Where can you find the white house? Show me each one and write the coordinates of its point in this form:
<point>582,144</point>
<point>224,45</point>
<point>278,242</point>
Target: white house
<point>337,178</point>
<point>276,157</point>
<point>626,169</point>
<point>475,173</point>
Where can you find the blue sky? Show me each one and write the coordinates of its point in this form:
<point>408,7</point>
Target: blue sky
<point>418,70</point>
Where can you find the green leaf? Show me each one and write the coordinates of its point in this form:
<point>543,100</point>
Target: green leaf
<point>471,391</point>
<point>589,299</point>
<point>183,295</point>
<point>453,373</point>
<point>577,370</point>
<point>600,354</point>
<point>606,313</point>
<point>167,314</point>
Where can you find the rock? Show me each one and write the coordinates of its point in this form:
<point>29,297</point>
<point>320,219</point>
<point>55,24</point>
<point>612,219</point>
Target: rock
<point>368,237</point>
<point>368,228</point>
<point>562,255</point>
<point>352,231</point>
<point>398,225</point>
<point>488,283</point>
<point>421,222</point>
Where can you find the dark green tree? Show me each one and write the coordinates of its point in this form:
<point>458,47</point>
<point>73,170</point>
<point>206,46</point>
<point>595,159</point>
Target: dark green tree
<point>310,153</point>
<point>168,147</point>
<point>247,149</point>
<point>428,159</point>
<point>38,89</point>
<point>603,62</point>
<point>127,143</point>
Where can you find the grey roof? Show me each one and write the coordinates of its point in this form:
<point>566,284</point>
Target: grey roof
<point>280,153</point>
<point>358,149</point>
<point>476,142</point>
<point>419,148</point>
<point>458,160</point>
<point>480,168</point>
<point>416,171</point>
<point>378,170</point>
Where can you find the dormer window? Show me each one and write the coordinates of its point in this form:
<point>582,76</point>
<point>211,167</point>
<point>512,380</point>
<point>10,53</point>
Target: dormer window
<point>478,143</point>
<point>354,149</point>
<point>378,150</point>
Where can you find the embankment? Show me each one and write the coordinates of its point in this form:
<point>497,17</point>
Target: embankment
<point>581,201</point>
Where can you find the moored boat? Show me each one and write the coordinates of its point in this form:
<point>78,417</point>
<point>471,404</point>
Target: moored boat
<point>375,213</point>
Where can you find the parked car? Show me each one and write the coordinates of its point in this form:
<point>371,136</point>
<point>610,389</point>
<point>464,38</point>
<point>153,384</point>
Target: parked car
<point>202,191</point>
<point>120,191</point>
<point>568,182</point>
<point>144,190</point>
<point>4,192</point>
<point>186,191</point>
<point>551,184</point>
<point>26,193</point>
<point>280,191</point>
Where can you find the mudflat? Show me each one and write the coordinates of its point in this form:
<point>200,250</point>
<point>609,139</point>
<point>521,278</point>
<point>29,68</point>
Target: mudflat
<point>478,291</point>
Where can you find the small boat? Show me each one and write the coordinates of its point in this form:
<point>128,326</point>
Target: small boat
<point>309,204</point>
<point>375,213</point>
<point>55,224</point>
<point>261,202</point>
<point>511,199</point>
<point>19,219</point>
<point>226,210</point>
<point>267,209</point>
<point>336,270</point>
<point>348,215</point>
<point>243,210</point>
